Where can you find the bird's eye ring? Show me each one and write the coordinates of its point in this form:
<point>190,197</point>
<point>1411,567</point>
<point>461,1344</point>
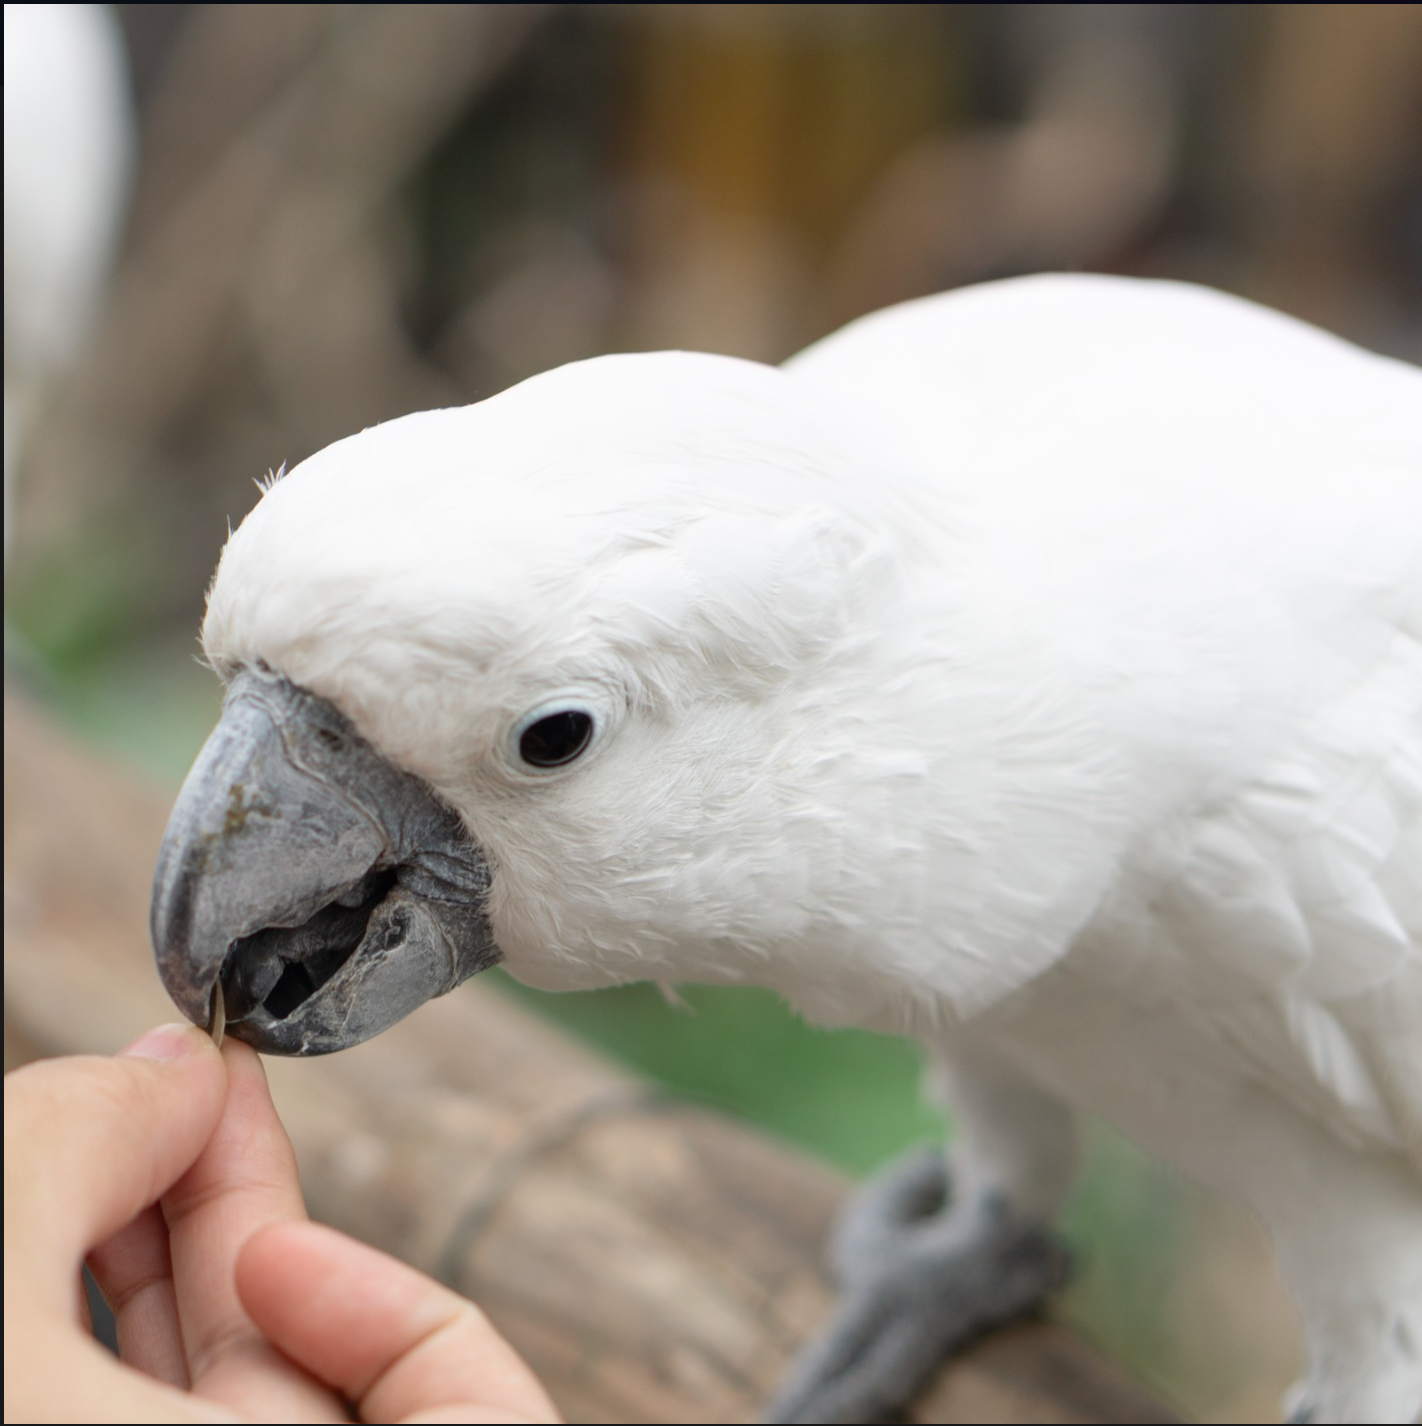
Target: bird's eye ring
<point>551,737</point>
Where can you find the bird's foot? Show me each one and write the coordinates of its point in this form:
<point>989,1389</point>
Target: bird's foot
<point>921,1272</point>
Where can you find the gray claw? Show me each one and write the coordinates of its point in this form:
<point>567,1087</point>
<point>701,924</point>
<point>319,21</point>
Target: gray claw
<point>910,1190</point>
<point>923,1275</point>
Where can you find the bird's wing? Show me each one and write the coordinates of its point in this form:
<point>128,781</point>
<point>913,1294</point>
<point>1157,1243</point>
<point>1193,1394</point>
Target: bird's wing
<point>1298,908</point>
<point>1240,498</point>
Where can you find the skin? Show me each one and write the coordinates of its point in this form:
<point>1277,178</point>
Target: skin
<point>231,1306</point>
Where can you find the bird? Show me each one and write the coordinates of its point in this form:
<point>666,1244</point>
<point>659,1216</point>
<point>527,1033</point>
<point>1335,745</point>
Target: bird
<point>1034,670</point>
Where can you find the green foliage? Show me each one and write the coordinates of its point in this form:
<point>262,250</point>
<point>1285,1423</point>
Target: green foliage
<point>84,594</point>
<point>846,1096</point>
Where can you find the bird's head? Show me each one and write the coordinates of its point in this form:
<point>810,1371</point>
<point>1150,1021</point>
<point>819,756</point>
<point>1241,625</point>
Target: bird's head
<point>556,679</point>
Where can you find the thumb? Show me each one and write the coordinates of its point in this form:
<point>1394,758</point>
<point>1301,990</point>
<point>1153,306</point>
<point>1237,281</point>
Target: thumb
<point>90,1143</point>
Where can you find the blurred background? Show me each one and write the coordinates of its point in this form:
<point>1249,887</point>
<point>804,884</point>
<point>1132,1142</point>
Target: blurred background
<point>234,233</point>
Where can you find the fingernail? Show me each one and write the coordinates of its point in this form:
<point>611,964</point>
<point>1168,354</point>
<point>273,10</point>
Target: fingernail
<point>166,1042</point>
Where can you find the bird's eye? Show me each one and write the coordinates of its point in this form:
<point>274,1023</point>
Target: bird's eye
<point>556,739</point>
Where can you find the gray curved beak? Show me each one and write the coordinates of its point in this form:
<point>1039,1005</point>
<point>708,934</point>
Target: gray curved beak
<point>328,892</point>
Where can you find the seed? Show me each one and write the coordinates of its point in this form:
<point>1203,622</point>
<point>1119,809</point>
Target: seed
<point>217,1015</point>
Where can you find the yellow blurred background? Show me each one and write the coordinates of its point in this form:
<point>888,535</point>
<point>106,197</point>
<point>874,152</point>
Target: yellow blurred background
<point>337,214</point>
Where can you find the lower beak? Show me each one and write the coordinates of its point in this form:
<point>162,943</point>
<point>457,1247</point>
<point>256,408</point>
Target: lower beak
<point>326,892</point>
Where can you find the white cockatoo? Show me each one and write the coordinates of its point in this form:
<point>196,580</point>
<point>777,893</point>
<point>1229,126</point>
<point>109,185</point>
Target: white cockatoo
<point>1035,670</point>
<point>70,135</point>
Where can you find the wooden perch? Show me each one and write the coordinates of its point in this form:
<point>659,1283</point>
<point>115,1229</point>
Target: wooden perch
<point>652,1261</point>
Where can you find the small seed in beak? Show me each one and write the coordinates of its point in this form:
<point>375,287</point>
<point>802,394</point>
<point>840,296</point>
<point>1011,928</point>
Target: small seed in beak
<point>217,1015</point>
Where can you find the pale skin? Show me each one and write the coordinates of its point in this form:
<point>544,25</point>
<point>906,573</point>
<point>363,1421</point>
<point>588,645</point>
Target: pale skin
<point>168,1171</point>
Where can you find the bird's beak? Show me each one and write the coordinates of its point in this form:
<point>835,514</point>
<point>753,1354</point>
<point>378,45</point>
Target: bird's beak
<point>327,891</point>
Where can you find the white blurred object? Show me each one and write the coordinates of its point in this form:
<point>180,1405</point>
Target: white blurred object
<point>70,136</point>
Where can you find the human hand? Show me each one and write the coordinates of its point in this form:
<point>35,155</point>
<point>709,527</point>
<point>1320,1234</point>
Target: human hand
<point>168,1168</point>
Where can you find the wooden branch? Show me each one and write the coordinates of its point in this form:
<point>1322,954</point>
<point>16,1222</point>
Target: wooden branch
<point>653,1262</point>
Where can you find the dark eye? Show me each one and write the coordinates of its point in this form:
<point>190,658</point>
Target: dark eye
<point>556,739</point>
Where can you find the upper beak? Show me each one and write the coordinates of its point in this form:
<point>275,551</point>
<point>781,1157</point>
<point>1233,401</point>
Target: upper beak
<point>328,892</point>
